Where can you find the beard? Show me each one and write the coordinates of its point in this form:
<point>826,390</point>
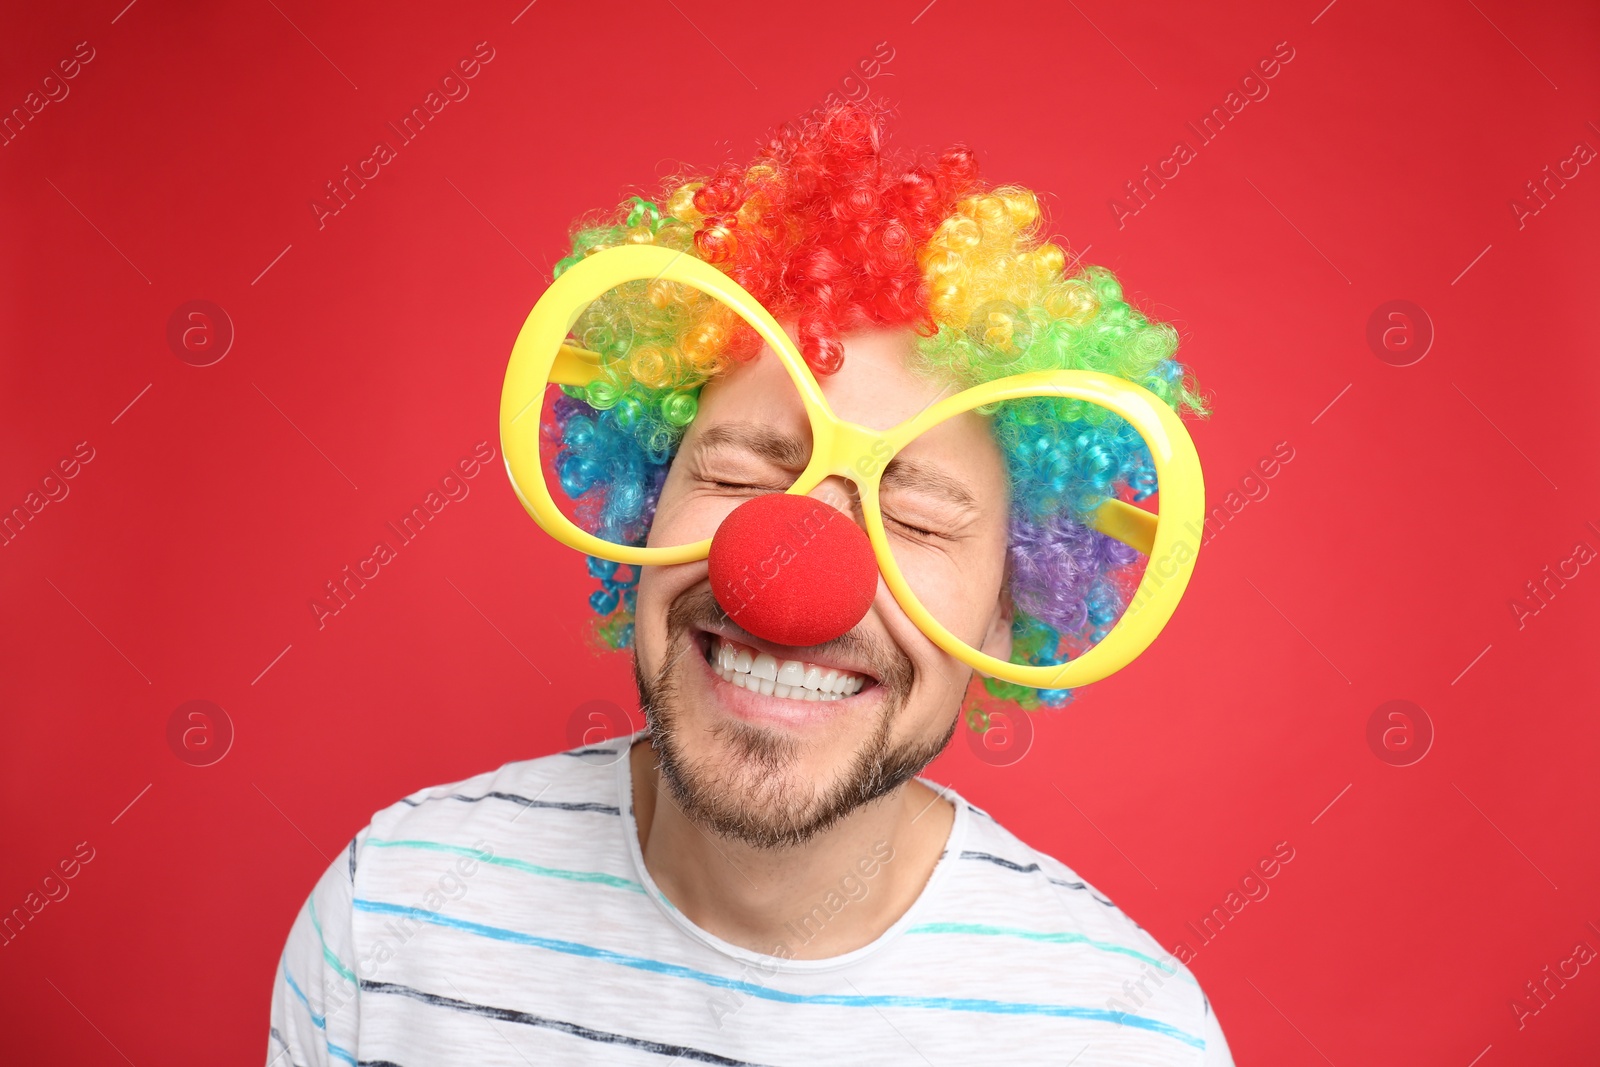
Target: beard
<point>759,795</point>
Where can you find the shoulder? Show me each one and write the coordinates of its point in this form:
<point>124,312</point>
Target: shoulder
<point>989,849</point>
<point>565,797</point>
<point>421,855</point>
<point>1060,934</point>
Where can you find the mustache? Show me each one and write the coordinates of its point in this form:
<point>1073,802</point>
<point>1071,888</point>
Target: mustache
<point>697,609</point>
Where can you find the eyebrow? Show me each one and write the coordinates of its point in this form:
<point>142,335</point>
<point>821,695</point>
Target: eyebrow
<point>919,475</point>
<point>764,441</point>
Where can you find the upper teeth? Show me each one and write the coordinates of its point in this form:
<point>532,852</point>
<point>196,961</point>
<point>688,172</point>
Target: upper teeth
<point>792,678</point>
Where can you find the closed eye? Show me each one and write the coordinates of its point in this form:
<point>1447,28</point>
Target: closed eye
<point>747,486</point>
<point>919,532</point>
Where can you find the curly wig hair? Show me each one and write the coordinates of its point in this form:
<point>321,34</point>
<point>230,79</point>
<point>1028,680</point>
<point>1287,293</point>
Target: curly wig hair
<point>830,230</point>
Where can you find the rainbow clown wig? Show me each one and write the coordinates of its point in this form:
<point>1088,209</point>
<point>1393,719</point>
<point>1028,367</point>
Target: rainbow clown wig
<point>828,230</point>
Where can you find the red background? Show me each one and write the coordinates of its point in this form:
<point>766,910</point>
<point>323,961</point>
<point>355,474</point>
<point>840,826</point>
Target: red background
<point>368,360</point>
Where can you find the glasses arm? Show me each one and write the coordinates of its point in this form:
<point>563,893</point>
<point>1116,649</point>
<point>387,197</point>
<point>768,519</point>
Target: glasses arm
<point>1131,525</point>
<point>575,366</point>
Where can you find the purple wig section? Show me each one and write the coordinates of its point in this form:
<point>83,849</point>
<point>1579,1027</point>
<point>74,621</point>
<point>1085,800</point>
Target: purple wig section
<point>1054,564</point>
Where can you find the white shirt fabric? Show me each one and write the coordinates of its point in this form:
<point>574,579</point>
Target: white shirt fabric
<point>509,920</point>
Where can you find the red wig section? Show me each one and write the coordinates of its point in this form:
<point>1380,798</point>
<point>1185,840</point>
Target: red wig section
<point>824,226</point>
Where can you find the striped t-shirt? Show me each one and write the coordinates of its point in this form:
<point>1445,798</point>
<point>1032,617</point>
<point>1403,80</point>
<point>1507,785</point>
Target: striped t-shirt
<point>508,919</point>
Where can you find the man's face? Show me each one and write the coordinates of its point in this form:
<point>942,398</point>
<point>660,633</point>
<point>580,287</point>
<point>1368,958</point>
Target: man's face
<point>774,770</point>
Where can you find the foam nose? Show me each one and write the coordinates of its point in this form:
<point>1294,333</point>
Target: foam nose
<point>792,570</point>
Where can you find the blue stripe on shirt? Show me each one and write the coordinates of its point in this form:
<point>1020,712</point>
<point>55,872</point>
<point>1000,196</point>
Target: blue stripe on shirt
<point>1062,938</point>
<point>596,877</point>
<point>573,948</point>
<point>319,1021</point>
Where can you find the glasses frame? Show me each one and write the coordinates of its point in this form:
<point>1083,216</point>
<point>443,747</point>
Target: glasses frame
<point>541,357</point>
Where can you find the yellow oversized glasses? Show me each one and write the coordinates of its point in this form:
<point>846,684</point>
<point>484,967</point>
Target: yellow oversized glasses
<point>542,360</point>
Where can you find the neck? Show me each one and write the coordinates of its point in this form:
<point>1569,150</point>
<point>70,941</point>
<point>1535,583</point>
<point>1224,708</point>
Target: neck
<point>836,893</point>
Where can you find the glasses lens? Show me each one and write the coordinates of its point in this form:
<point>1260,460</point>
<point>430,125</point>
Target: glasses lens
<point>611,446</point>
<point>997,500</point>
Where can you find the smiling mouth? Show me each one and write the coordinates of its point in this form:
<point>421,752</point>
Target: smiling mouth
<point>790,679</point>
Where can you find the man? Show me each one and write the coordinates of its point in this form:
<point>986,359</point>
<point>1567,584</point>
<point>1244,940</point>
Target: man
<point>759,876</point>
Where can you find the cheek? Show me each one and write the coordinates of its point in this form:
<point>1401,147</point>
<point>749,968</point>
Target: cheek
<point>940,676</point>
<point>923,653</point>
<point>962,591</point>
<point>665,527</point>
<point>658,588</point>
<point>685,512</point>
<point>650,607</point>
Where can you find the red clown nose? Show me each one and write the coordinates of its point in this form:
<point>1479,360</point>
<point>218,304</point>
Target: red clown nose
<point>792,570</point>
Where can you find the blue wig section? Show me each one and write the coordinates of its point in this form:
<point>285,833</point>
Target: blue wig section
<point>602,465</point>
